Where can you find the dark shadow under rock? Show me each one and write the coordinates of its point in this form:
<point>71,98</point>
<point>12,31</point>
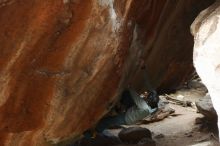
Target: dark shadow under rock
<point>146,144</point>
<point>99,140</point>
<point>147,141</point>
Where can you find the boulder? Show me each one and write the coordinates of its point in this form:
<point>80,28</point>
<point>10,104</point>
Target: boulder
<point>104,140</point>
<point>134,135</point>
<point>99,140</point>
<point>205,107</point>
<point>206,55</point>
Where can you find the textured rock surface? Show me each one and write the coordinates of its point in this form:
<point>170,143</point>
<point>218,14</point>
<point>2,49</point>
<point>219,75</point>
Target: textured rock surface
<point>205,107</point>
<point>133,135</point>
<point>206,57</point>
<point>63,62</point>
<point>165,40</point>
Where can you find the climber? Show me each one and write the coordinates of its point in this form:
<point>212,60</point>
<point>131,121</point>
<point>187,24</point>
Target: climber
<point>136,108</point>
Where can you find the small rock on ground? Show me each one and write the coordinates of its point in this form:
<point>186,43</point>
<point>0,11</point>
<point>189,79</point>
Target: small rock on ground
<point>205,107</point>
<point>99,140</point>
<point>133,135</point>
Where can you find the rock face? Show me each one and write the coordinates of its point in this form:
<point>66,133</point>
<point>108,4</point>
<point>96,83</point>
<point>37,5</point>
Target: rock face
<point>63,63</point>
<point>206,30</point>
<point>133,135</point>
<point>205,107</point>
<point>165,40</point>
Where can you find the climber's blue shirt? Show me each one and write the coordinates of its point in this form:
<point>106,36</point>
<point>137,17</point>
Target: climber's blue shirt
<point>139,111</point>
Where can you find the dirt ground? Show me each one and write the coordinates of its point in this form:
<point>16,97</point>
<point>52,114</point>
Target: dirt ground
<point>187,127</point>
<point>182,129</point>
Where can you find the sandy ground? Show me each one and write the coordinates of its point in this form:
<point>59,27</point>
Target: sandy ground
<point>182,129</point>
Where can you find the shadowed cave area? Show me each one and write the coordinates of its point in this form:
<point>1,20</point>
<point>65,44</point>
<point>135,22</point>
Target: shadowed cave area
<point>65,65</point>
